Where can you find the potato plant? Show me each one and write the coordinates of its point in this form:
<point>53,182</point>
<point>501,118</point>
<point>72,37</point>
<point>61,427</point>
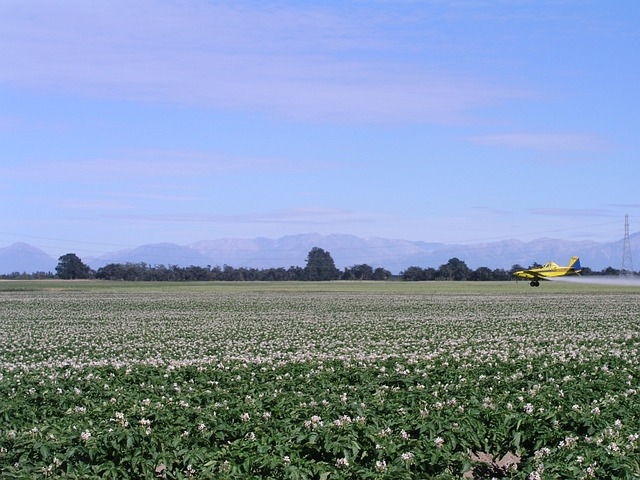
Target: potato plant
<point>319,381</point>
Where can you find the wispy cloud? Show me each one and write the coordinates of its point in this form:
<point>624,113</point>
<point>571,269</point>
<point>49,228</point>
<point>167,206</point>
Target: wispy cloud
<point>627,205</point>
<point>553,142</point>
<point>571,212</point>
<point>293,216</point>
<point>293,61</point>
<point>159,164</point>
<point>491,212</point>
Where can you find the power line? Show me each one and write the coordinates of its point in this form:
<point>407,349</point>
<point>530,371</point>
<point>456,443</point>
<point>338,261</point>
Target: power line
<point>627,263</point>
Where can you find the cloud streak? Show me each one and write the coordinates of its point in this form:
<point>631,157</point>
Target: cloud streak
<point>293,216</point>
<point>289,61</point>
<point>158,164</point>
<point>571,212</point>
<point>547,142</point>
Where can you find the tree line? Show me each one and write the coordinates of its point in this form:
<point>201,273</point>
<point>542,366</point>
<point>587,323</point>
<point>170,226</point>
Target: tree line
<point>319,267</point>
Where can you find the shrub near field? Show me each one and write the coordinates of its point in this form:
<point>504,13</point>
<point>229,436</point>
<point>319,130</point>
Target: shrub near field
<point>375,380</point>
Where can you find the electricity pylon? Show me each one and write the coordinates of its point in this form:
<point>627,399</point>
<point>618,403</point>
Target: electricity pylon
<point>627,263</point>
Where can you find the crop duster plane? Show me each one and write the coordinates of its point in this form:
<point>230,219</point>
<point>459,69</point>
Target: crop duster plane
<point>549,270</point>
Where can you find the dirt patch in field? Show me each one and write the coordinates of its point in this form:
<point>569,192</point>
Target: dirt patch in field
<point>486,466</point>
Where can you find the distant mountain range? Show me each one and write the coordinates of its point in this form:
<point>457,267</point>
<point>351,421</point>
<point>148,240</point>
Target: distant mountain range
<point>346,250</point>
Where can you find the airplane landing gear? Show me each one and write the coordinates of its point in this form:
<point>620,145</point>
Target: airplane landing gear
<point>534,283</point>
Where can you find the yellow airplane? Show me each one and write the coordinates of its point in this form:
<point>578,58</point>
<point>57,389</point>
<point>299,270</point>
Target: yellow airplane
<point>549,269</point>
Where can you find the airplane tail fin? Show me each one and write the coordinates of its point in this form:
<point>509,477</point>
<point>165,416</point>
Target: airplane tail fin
<point>575,263</point>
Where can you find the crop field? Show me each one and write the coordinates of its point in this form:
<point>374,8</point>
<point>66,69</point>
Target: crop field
<point>336,380</point>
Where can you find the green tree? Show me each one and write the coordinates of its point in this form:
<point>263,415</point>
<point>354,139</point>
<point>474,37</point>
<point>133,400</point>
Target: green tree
<point>359,272</point>
<point>482,274</point>
<point>320,266</point>
<point>501,274</point>
<point>414,274</point>
<point>381,274</point>
<point>454,269</point>
<point>70,267</point>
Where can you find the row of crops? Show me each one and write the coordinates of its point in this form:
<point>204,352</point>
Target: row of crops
<point>315,382</point>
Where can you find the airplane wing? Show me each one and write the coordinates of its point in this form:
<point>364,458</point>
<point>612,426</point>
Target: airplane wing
<point>529,274</point>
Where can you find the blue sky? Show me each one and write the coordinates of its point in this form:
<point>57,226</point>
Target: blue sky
<point>124,123</point>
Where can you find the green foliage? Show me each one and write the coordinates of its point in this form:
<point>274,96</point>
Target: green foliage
<point>318,380</point>
<point>320,266</point>
<point>70,267</point>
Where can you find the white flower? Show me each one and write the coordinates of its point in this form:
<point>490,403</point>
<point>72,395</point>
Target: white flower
<point>144,422</point>
<point>407,457</point>
<point>86,435</point>
<point>568,442</point>
<point>342,462</point>
<point>439,441</point>
<point>381,466</point>
<point>342,421</point>
<point>543,452</point>
<point>590,471</point>
<point>315,422</point>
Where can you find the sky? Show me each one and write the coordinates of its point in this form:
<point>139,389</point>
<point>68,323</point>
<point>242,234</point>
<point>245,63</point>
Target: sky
<point>463,121</point>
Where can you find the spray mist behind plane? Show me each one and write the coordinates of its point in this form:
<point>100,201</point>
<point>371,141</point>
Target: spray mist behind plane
<point>621,280</point>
